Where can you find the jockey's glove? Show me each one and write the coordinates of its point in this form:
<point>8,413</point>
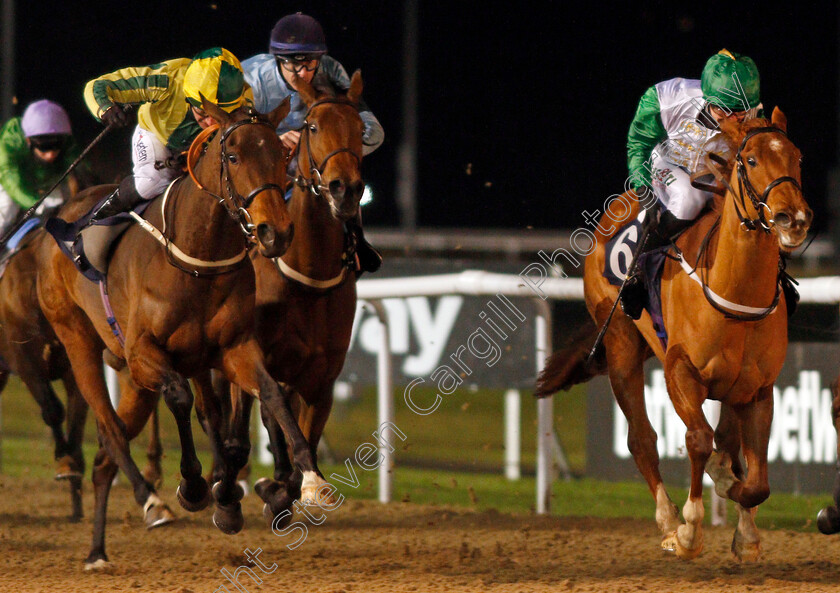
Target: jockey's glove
<point>115,116</point>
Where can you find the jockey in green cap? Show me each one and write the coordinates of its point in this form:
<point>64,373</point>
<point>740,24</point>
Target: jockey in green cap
<point>676,125</point>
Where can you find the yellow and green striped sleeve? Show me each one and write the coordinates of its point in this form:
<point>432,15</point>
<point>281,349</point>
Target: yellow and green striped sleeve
<point>131,86</point>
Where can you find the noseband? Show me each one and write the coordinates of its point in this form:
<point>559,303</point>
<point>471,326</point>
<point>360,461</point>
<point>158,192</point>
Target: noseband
<point>313,182</point>
<point>745,186</point>
<point>235,203</point>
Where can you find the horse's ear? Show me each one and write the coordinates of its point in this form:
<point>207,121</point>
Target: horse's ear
<point>304,89</point>
<point>356,86</point>
<point>214,111</point>
<point>779,119</point>
<point>279,113</point>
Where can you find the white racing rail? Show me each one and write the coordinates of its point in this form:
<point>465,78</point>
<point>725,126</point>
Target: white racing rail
<point>823,290</point>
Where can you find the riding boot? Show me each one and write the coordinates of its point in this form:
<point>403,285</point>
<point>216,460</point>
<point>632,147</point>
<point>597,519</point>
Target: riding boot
<point>663,231</point>
<point>123,199</point>
<point>369,258</point>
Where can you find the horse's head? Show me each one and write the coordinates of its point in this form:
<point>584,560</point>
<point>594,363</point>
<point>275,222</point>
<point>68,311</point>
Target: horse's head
<point>768,177</point>
<point>253,173</point>
<point>330,149</point>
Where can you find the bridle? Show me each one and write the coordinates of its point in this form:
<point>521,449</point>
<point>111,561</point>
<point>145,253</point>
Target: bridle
<point>745,186</point>
<point>313,181</point>
<point>235,203</point>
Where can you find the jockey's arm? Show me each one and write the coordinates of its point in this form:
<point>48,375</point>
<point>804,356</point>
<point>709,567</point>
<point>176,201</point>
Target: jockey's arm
<point>131,86</point>
<point>13,150</point>
<point>646,131</point>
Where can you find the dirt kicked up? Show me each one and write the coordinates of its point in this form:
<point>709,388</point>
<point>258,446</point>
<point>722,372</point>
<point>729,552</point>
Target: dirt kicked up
<point>367,547</point>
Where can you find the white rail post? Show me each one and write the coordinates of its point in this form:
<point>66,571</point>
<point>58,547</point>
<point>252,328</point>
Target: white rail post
<point>545,410</point>
<point>385,399</point>
<point>513,442</point>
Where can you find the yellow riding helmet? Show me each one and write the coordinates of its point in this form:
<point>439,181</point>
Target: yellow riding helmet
<point>217,74</point>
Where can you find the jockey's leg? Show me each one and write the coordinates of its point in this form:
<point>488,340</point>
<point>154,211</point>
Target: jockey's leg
<point>146,181</point>
<point>681,204</point>
<point>369,258</point>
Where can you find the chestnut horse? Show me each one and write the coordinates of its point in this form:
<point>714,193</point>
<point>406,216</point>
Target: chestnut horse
<point>183,308</point>
<point>726,340</point>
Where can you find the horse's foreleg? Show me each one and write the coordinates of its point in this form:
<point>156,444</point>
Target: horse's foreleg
<point>210,413</point>
<point>828,519</point>
<point>151,370</point>
<point>77,409</point>
<point>244,366</point>
<point>280,493</point>
<point>755,420</point>
<point>688,394</point>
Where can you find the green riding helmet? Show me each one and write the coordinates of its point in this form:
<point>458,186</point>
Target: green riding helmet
<point>729,80</point>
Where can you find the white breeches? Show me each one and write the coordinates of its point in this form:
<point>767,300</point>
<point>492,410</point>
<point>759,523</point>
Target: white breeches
<point>146,150</point>
<point>672,186</point>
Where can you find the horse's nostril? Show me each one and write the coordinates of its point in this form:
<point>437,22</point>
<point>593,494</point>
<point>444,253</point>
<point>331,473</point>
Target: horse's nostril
<point>266,234</point>
<point>337,188</point>
<point>782,220</point>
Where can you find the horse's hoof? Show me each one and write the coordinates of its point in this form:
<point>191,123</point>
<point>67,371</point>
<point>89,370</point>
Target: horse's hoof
<point>199,498</point>
<point>669,542</point>
<point>688,553</point>
<point>269,518</point>
<point>719,468</point>
<point>228,518</point>
<point>156,513</point>
<point>266,488</point>
<point>311,491</point>
<point>98,565</point>
<point>236,495</point>
<point>745,551</point>
<point>828,520</point>
<point>66,468</point>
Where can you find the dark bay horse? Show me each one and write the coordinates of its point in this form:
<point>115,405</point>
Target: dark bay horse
<point>183,294</point>
<point>726,341</point>
<point>306,299</point>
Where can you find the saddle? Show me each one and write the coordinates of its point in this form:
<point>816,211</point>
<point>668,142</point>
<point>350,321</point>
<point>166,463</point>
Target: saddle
<point>90,246</point>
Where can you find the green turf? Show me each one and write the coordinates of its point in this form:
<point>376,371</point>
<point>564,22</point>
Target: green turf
<point>452,457</point>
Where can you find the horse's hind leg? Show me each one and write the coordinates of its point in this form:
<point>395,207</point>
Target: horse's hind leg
<point>626,354</point>
<point>153,472</point>
<point>828,519</point>
<point>280,493</point>
<point>688,394</point>
<point>77,410</point>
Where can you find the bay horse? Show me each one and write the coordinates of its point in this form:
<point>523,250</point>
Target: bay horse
<point>30,349</point>
<point>726,341</point>
<point>183,297</point>
<point>306,299</point>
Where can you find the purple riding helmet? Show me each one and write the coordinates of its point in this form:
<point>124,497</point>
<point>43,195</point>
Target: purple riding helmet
<point>45,118</point>
<point>298,35</point>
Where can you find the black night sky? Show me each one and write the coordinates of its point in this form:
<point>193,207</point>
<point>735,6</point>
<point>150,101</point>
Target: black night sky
<point>523,113</point>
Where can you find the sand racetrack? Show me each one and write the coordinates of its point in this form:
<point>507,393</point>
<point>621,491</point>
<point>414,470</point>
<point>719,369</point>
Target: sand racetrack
<point>365,546</point>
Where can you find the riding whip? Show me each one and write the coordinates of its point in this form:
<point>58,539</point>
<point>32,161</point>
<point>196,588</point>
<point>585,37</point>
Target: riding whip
<point>28,214</point>
<point>630,271</point>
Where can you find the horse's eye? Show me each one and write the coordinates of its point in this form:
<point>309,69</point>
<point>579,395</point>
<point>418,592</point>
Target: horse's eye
<point>800,160</point>
<point>233,158</point>
<point>751,161</point>
<point>312,128</point>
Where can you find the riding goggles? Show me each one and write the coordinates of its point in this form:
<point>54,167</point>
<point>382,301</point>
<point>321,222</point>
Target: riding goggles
<point>298,63</point>
<point>47,143</point>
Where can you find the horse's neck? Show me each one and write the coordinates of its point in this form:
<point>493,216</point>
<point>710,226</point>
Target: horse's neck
<point>319,238</point>
<point>745,268</point>
<point>199,225</point>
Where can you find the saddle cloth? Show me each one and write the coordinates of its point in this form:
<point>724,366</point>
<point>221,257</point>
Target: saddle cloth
<point>619,254</point>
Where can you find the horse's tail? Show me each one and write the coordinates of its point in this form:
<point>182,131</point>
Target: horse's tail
<point>567,367</point>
